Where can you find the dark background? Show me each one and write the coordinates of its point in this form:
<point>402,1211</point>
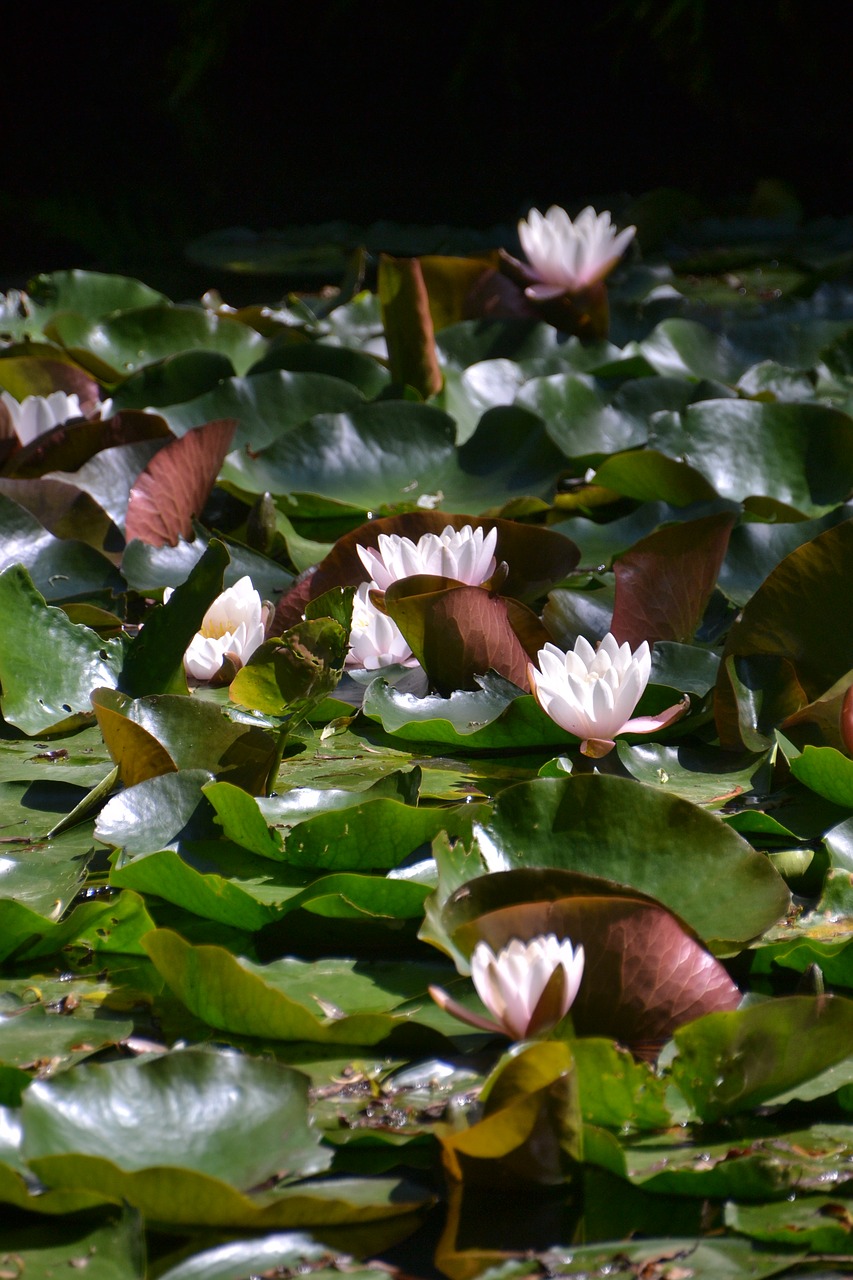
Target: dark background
<point>128,130</point>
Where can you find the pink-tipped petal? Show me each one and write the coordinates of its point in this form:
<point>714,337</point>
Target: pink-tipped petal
<point>648,724</point>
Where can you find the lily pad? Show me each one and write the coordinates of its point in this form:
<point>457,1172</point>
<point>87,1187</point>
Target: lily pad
<point>640,838</point>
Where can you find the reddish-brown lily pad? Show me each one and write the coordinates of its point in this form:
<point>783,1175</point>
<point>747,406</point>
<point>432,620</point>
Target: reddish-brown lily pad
<point>665,581</point>
<point>175,485</point>
<point>645,974</point>
<point>459,632</point>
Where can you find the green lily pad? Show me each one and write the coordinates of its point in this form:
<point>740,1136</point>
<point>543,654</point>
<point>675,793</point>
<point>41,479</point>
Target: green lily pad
<point>39,692</point>
<point>61,568</point>
<point>116,345</point>
<point>174,380</point>
<point>657,843</point>
<point>827,772</point>
<point>816,1223</point>
<point>328,1002</point>
<point>266,406</point>
<point>730,1062</point>
<point>111,1246</point>
<point>799,454</point>
<point>579,420</point>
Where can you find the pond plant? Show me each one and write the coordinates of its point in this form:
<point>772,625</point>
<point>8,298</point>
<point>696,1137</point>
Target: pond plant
<point>427,766</point>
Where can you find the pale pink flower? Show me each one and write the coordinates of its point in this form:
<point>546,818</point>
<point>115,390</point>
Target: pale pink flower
<point>466,555</point>
<point>570,256</point>
<point>375,639</point>
<point>234,625</point>
<point>527,986</point>
<point>592,692</point>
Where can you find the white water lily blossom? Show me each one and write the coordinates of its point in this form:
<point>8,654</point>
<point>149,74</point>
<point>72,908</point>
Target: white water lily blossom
<point>592,692</point>
<point>234,625</point>
<point>527,986</point>
<point>466,555</point>
<point>569,256</point>
<point>375,639</point>
<point>36,414</point>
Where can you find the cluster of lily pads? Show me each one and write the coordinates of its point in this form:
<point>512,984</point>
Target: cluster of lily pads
<point>427,767</point>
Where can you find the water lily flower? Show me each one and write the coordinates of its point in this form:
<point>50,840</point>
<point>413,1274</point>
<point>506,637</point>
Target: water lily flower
<point>592,692</point>
<point>528,986</point>
<point>569,256</point>
<point>466,555</point>
<point>234,626</point>
<point>37,414</point>
<point>375,639</point>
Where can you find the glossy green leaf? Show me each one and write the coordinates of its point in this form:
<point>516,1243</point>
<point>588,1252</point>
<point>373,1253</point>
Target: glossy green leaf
<point>193,735</point>
<point>616,1090</point>
<point>40,693</point>
<point>233,1261</point>
<point>827,772</point>
<point>816,1223</point>
<point>355,367</point>
<point>60,568</point>
<point>114,925</point>
<point>266,406</point>
<point>238,896</point>
<point>33,1036</point>
<point>381,454</point>
<point>148,569</point>
<point>294,672</point>
<point>707,1259</point>
<point>191,1110</point>
<point>801,455</point>
<point>579,420</point>
<point>158,813</point>
<point>749,1159</point>
<point>640,838</point>
<point>379,833</point>
<point>683,347</point>
<point>154,661</point>
<point>703,775</point>
<point>329,1002</point>
<point>174,380</point>
<point>793,640</point>
<point>649,475</point>
<point>496,716</point>
<point>114,346</point>
<point>730,1062</point>
<point>756,549</point>
<point>110,1246</point>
